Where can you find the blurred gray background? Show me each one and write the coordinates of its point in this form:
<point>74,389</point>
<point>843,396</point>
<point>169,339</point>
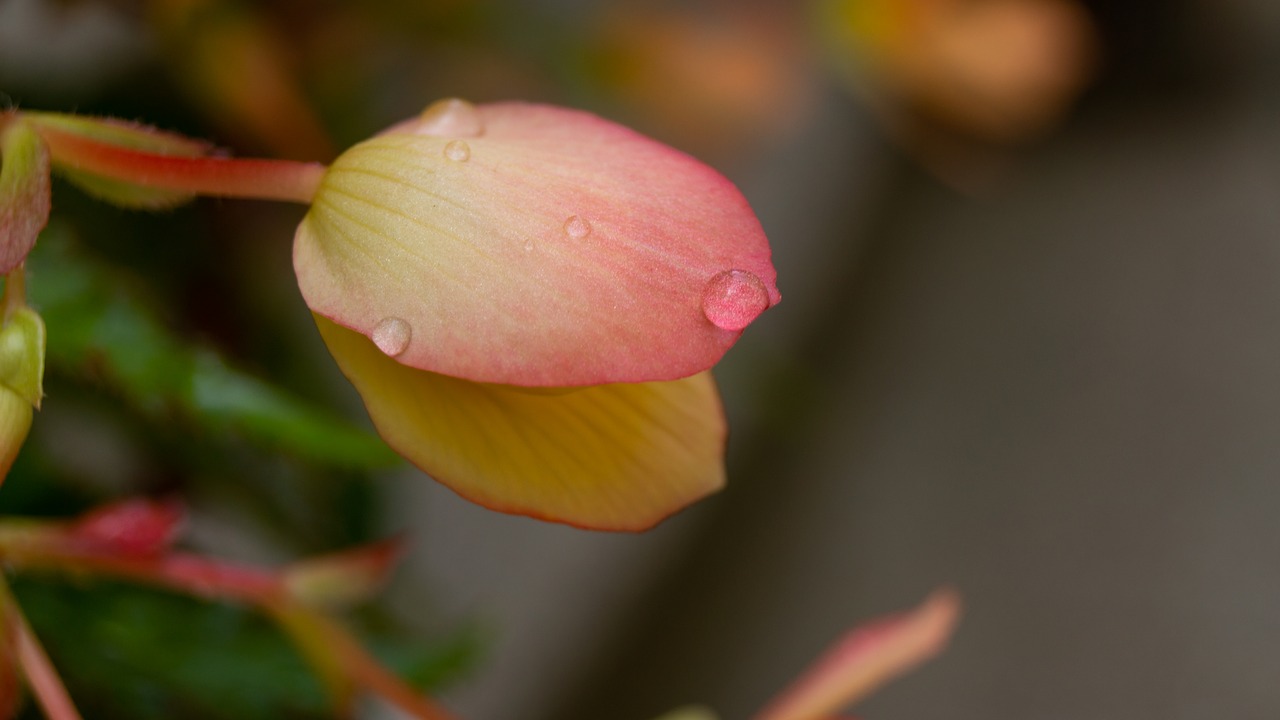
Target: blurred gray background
<point>1061,395</point>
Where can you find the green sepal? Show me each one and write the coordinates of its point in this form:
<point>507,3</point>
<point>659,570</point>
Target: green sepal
<point>22,346</point>
<point>24,193</point>
<point>125,135</point>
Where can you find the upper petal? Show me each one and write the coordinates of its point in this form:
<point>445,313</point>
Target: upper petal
<point>533,245</point>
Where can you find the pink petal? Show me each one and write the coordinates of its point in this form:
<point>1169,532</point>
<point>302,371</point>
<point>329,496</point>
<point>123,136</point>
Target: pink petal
<point>533,245</point>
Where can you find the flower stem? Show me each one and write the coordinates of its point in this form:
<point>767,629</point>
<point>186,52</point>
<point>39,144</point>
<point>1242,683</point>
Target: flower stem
<point>369,673</point>
<point>219,176</point>
<point>40,673</point>
<point>15,293</point>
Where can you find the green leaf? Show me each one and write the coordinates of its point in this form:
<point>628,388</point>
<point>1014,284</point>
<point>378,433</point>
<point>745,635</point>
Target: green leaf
<point>24,192</point>
<point>429,665</point>
<point>104,330</point>
<point>222,395</point>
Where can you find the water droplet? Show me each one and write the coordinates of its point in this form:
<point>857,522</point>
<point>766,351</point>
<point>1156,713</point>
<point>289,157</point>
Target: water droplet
<point>392,336</point>
<point>577,228</point>
<point>733,298</point>
<point>450,118</point>
<point>458,151</point>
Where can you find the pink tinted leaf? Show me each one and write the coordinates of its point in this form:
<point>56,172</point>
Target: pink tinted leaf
<point>345,578</point>
<point>533,245</point>
<point>24,192</point>
<point>132,527</point>
<point>866,658</point>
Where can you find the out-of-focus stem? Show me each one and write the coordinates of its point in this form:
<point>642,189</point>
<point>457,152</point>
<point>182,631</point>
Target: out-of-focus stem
<point>33,547</point>
<point>183,572</point>
<point>219,176</point>
<point>40,673</point>
<point>370,674</point>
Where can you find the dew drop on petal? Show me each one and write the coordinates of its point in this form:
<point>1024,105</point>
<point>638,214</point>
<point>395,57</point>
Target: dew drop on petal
<point>577,228</point>
<point>733,298</point>
<point>392,336</point>
<point>457,151</point>
<point>450,118</point>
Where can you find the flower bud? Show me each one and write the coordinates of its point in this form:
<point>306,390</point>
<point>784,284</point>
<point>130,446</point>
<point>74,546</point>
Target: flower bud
<point>24,191</point>
<point>22,342</point>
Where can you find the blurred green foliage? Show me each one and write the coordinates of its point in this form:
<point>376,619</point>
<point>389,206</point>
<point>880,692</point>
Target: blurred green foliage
<point>143,654</point>
<point>105,329</point>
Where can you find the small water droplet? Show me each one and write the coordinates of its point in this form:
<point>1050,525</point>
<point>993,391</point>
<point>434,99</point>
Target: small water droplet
<point>577,228</point>
<point>392,336</point>
<point>457,151</point>
<point>733,298</point>
<point>450,118</point>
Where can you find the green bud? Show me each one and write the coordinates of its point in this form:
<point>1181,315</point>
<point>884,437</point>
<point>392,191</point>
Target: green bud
<point>22,345</point>
<point>22,355</point>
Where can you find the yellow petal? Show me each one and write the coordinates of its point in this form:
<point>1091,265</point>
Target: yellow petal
<point>607,457</point>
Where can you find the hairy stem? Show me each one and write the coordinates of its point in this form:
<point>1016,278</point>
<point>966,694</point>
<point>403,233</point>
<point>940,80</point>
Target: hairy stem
<point>218,176</point>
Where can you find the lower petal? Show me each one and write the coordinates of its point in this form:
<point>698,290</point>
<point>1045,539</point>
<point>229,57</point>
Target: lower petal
<point>606,457</point>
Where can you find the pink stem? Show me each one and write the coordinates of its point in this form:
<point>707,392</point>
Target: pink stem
<point>225,177</point>
<point>368,672</point>
<point>184,572</point>
<point>41,675</point>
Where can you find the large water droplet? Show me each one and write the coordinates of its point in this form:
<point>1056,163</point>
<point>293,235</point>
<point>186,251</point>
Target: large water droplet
<point>733,298</point>
<point>458,151</point>
<point>577,228</point>
<point>392,336</point>
<point>450,118</point>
